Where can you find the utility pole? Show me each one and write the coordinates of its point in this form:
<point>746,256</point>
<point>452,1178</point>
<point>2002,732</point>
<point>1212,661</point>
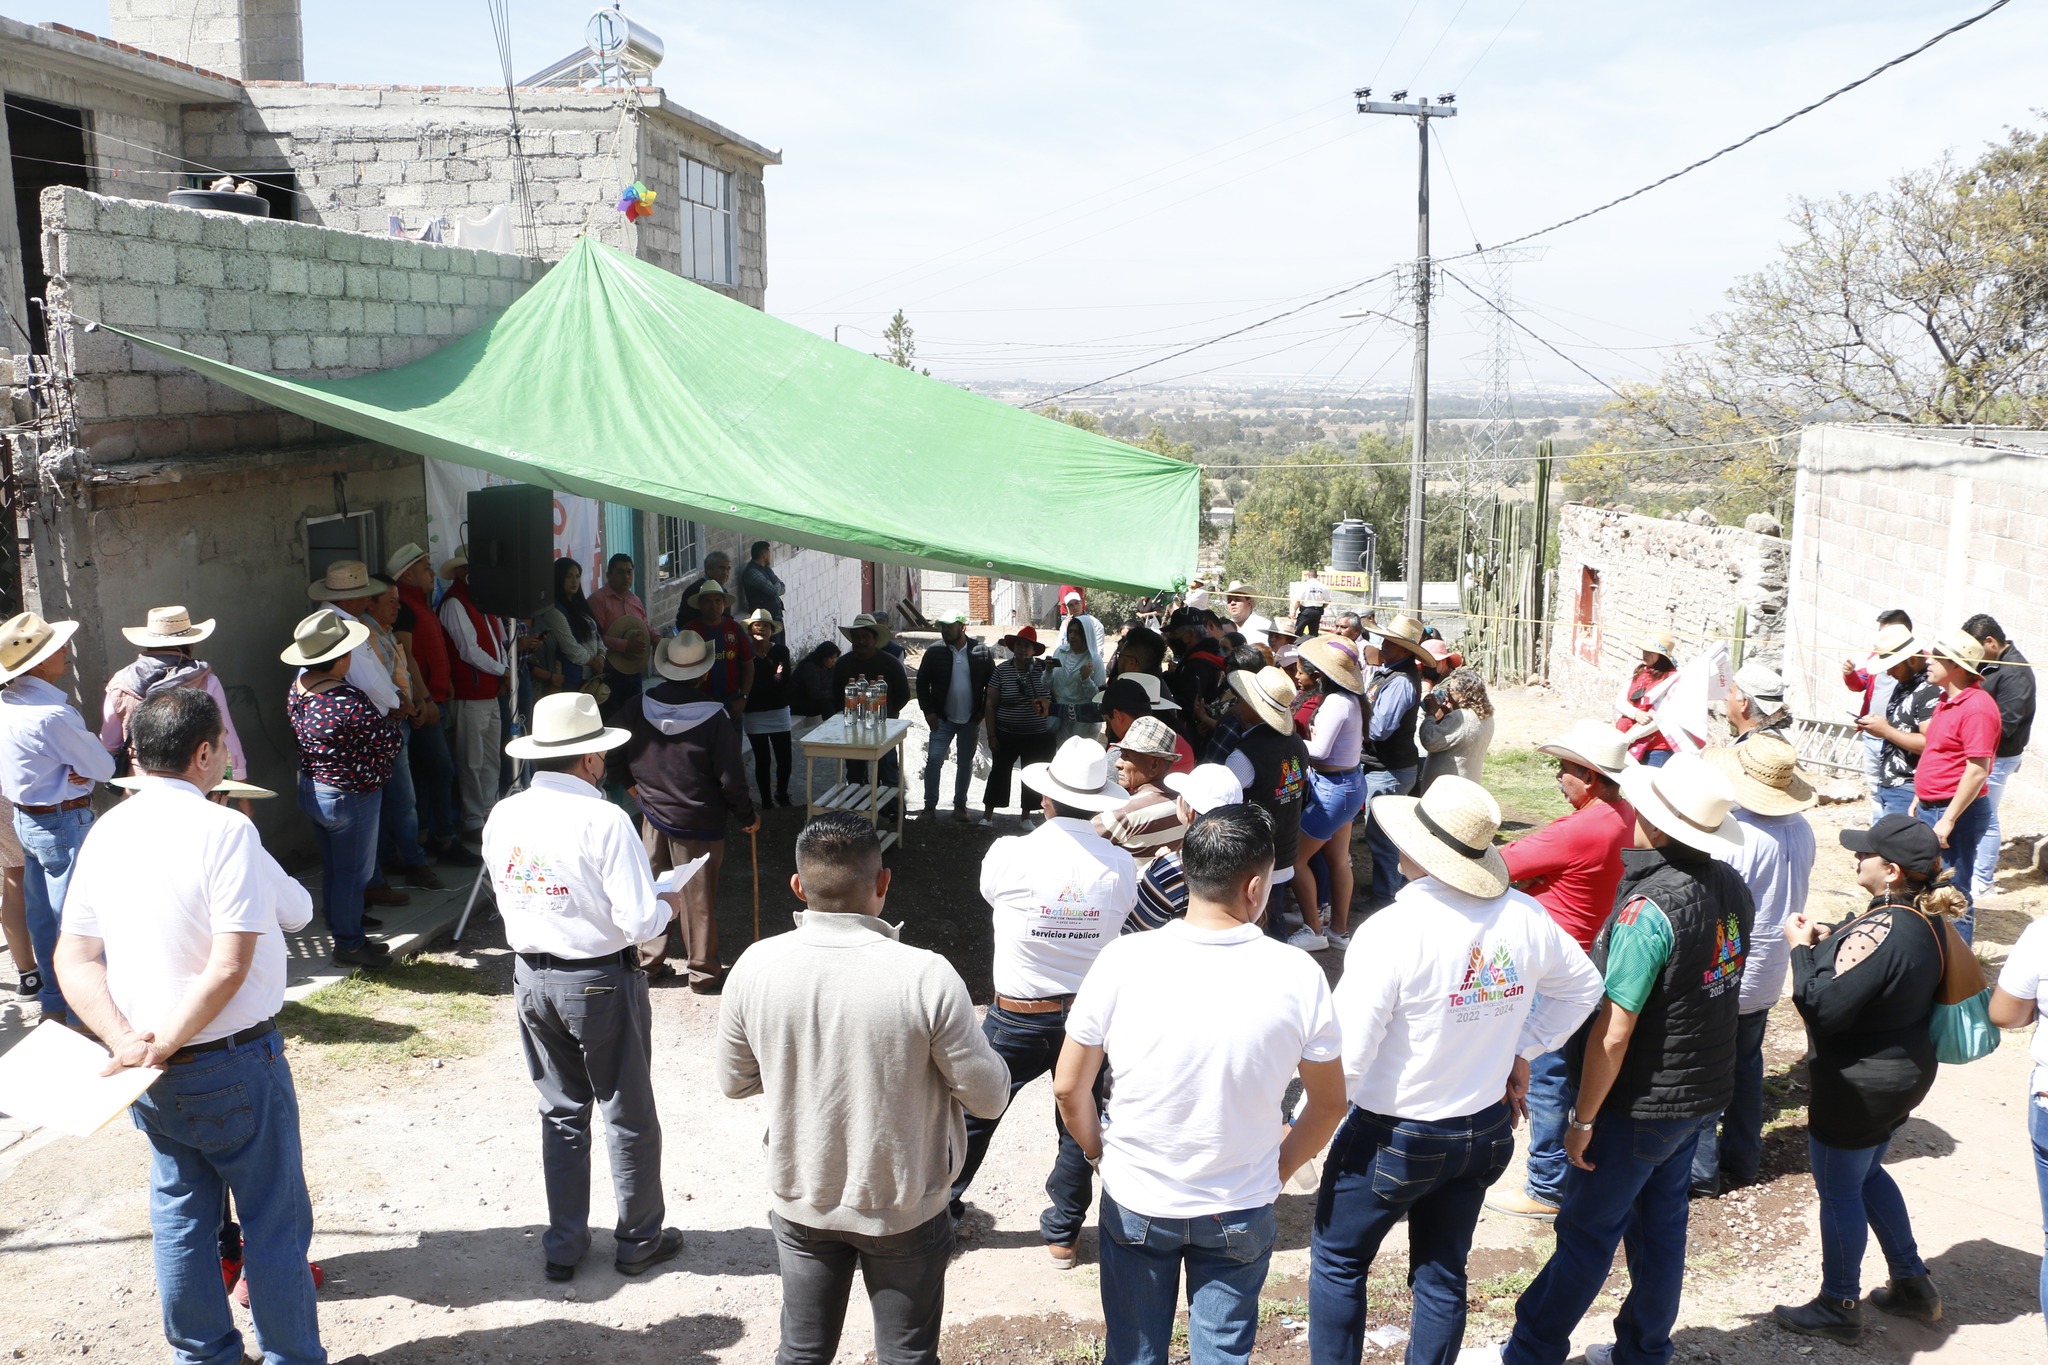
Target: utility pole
<point>1422,111</point>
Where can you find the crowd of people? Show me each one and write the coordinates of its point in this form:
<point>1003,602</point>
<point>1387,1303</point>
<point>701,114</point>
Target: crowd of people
<point>1187,802</point>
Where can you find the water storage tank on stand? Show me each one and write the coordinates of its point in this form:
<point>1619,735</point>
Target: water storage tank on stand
<point>1351,544</point>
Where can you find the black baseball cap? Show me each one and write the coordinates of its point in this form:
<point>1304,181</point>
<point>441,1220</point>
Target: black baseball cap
<point>1899,839</point>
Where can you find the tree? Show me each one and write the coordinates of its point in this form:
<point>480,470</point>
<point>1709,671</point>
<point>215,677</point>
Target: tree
<point>902,343</point>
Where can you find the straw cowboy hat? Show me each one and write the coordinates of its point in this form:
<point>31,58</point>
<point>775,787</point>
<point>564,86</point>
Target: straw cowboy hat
<point>1764,770</point>
<point>1270,692</point>
<point>1689,799</point>
<point>684,656</point>
<point>1449,829</point>
<point>632,658</point>
<point>321,637</point>
<point>1659,642</point>
<point>761,616</point>
<point>168,628</point>
<point>28,639</point>
<point>347,578</point>
<point>1149,735</point>
<point>1078,776</point>
<point>1336,660</point>
<point>1238,588</point>
<point>1895,644</point>
<point>1402,630</point>
<point>567,723</point>
<point>707,587</point>
<point>458,560</point>
<point>868,620</point>
<point>403,558</point>
<point>1026,635</point>
<point>1593,744</point>
<point>1959,648</point>
<point>227,786</point>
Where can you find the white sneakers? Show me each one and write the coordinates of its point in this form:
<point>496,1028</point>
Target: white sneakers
<point>1337,940</point>
<point>1308,940</point>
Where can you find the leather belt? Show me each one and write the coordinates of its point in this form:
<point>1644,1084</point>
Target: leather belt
<point>628,956</point>
<point>1335,772</point>
<point>75,803</point>
<point>1052,1005</point>
<point>193,1051</point>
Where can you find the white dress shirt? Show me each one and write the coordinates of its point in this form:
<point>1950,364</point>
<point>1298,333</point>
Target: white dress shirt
<point>462,634</point>
<point>571,874</point>
<point>1776,861</point>
<point>44,745</point>
<point>1442,991</point>
<point>366,672</point>
<point>159,876</point>
<point>1058,894</point>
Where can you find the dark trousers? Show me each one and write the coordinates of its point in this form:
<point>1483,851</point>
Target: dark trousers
<point>777,745</point>
<point>1381,1170</point>
<point>905,1275</point>
<point>587,1034</point>
<point>433,780</point>
<point>1732,1141</point>
<point>1013,751</point>
<point>1029,1045</point>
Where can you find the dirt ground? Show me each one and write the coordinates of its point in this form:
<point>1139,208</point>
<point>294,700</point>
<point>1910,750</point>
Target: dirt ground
<point>422,1154</point>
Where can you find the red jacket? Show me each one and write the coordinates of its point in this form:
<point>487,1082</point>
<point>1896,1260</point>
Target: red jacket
<point>473,684</point>
<point>429,643</point>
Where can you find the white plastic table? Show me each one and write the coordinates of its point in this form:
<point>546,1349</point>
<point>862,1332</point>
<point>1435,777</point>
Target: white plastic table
<point>830,743</point>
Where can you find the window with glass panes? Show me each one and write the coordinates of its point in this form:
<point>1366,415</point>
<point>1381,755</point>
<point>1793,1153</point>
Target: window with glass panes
<point>678,548</point>
<point>708,237</point>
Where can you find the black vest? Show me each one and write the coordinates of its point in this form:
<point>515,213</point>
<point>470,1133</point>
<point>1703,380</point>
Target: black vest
<point>1279,781</point>
<point>1397,750</point>
<point>1680,1062</point>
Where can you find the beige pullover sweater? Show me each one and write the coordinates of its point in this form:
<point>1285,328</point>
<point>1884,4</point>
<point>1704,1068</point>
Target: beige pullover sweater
<point>870,1057</point>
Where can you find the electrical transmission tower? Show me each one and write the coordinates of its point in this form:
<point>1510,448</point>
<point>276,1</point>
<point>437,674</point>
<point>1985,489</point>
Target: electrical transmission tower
<point>1491,440</point>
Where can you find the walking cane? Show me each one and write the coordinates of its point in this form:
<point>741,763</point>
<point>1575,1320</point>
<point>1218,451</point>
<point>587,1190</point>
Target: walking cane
<point>754,852</point>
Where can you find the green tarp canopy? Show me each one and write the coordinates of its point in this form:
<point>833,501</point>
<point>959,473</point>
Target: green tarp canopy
<point>614,379</point>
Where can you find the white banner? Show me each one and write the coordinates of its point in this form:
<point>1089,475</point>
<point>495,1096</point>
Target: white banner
<point>579,523</point>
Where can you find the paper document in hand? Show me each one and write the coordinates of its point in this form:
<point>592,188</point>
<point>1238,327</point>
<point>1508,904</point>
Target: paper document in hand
<point>52,1078</point>
<point>673,880</point>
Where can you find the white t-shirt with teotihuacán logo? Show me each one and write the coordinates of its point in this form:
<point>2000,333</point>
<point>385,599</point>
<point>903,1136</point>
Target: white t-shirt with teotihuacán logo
<point>1057,895</point>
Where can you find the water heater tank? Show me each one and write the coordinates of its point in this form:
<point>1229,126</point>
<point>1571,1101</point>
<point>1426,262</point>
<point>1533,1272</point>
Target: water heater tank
<point>616,40</point>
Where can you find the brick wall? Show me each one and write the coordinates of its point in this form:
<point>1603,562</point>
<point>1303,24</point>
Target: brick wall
<point>285,297</point>
<point>1657,575</point>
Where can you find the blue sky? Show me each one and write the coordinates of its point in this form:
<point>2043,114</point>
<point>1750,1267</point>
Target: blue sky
<point>1059,190</point>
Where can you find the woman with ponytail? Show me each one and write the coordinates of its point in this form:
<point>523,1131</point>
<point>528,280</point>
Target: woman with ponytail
<point>1866,988</point>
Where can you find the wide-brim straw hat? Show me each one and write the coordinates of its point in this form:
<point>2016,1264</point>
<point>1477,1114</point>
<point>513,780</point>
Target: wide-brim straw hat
<point>1959,648</point>
<point>1449,830</point>
<point>227,786</point>
<point>168,628</point>
<point>322,637</point>
<point>1764,770</point>
<point>1659,642</point>
<point>1688,799</point>
<point>458,560</point>
<point>708,587</point>
<point>867,620</point>
<point>684,656</point>
<point>347,579</point>
<point>28,639</point>
<point>1895,644</point>
<point>761,616</point>
<point>1402,630</point>
<point>1269,692</point>
<point>1593,744</point>
<point>1336,660</point>
<point>1239,588</point>
<point>1077,776</point>
<point>567,723</point>
<point>639,642</point>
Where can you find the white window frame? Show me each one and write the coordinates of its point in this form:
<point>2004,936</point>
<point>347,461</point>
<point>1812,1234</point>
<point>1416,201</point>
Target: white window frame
<point>678,548</point>
<point>710,247</point>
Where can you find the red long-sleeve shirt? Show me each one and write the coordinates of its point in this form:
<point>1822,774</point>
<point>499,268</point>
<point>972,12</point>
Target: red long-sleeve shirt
<point>1572,866</point>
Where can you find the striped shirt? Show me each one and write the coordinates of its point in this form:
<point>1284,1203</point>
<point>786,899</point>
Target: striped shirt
<point>1162,895</point>
<point>1146,825</point>
<point>1015,689</point>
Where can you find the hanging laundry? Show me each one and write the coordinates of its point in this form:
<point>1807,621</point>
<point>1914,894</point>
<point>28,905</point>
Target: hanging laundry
<point>492,232</point>
<point>430,231</point>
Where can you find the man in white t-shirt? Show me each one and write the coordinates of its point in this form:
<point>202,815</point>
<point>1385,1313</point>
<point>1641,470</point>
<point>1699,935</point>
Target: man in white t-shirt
<point>1447,995</point>
<point>173,954</point>
<point>2015,1004</point>
<point>1057,894</point>
<point>1201,1024</point>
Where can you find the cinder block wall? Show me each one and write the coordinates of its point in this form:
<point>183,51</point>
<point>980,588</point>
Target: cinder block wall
<point>247,39</point>
<point>1657,575</point>
<point>285,297</point>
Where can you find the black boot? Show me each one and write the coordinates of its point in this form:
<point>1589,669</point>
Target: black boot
<point>1912,1297</point>
<point>1836,1319</point>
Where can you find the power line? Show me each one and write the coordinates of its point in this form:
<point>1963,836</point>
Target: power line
<point>1421,65</point>
<point>1459,460</point>
<point>1540,340</point>
<point>1464,79</point>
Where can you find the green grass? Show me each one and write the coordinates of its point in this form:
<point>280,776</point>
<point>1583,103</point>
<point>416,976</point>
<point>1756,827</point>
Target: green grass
<point>1084,1351</point>
<point>1506,1285</point>
<point>1270,1309</point>
<point>1525,784</point>
<point>406,1012</point>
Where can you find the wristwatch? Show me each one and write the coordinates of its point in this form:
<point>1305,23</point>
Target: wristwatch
<point>1571,1118</point>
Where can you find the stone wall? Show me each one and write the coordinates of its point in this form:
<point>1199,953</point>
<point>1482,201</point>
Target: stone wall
<point>1648,574</point>
<point>248,39</point>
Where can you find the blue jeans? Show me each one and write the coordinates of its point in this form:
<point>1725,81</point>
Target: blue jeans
<point>433,781</point>
<point>2037,1131</point>
<point>959,738</point>
<point>1029,1045</point>
<point>1379,1171</point>
<point>1858,1196</point>
<point>1635,1197</point>
<point>1226,1256</point>
<point>229,1121</point>
<point>1656,758</point>
<point>1989,843</point>
<point>1550,1099</point>
<point>1732,1142</point>
<point>1892,801</point>
<point>50,845</point>
<point>1386,859</point>
<point>346,824</point>
<point>1960,857</point>
<point>398,818</point>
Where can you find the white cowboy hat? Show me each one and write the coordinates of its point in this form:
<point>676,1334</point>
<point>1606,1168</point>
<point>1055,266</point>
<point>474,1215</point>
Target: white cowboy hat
<point>168,628</point>
<point>1959,648</point>
<point>1764,770</point>
<point>761,616</point>
<point>28,639</point>
<point>1148,735</point>
<point>322,637</point>
<point>1593,744</point>
<point>1270,692</point>
<point>1238,588</point>
<point>1449,829</point>
<point>227,786</point>
<point>706,587</point>
<point>1078,776</point>
<point>1689,799</point>
<point>1207,787</point>
<point>458,560</point>
<point>868,620</point>
<point>1154,692</point>
<point>1335,659</point>
<point>1895,644</point>
<point>347,578</point>
<point>684,656</point>
<point>567,723</point>
<point>403,558</point>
